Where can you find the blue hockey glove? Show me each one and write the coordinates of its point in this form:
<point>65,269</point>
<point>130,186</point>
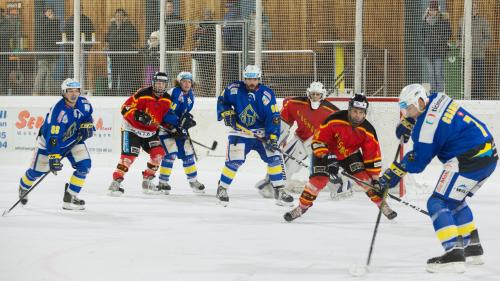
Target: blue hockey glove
<point>229,117</point>
<point>55,164</point>
<point>86,131</point>
<point>271,143</point>
<point>187,121</point>
<point>142,117</point>
<point>404,129</point>
<point>392,176</point>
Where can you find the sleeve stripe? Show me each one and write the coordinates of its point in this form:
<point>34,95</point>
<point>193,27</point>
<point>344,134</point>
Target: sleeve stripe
<point>369,134</point>
<point>373,160</point>
<point>335,122</point>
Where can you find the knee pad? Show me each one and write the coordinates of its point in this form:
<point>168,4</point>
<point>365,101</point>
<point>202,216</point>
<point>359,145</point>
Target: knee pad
<point>188,160</point>
<point>319,182</point>
<point>274,161</point>
<point>435,204</point>
<point>156,154</point>
<point>125,162</point>
<point>234,164</point>
<point>170,156</point>
<point>83,167</point>
<point>34,174</point>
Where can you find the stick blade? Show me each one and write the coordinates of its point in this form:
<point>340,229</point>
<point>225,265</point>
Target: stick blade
<point>214,145</point>
<point>5,212</point>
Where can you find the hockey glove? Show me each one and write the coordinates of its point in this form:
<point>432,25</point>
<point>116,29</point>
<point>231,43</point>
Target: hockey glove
<point>404,129</point>
<point>86,131</point>
<point>55,164</point>
<point>377,189</point>
<point>229,117</point>
<point>333,164</point>
<point>142,117</point>
<point>271,143</point>
<point>187,121</point>
<point>392,176</point>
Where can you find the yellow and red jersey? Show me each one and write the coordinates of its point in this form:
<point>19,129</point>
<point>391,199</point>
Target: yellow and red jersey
<point>308,120</point>
<point>145,100</point>
<point>336,135</point>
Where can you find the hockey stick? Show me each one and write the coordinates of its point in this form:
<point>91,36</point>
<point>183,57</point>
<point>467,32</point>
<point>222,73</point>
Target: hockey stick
<point>250,133</point>
<point>39,181</point>
<point>213,147</point>
<point>192,146</point>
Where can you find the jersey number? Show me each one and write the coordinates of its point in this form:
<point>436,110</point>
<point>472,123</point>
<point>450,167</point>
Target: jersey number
<point>469,119</point>
<point>54,130</point>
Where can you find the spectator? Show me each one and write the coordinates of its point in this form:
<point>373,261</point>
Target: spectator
<point>481,37</point>
<point>4,59</point>
<point>121,36</point>
<point>232,37</point>
<point>204,37</point>
<point>46,63</point>
<point>87,28</point>
<point>175,33</point>
<point>151,57</point>
<point>436,32</point>
<point>266,34</point>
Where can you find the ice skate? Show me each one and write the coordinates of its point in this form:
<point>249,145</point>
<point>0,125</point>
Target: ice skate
<point>164,188</point>
<point>71,202</point>
<point>115,188</point>
<point>197,187</point>
<point>294,213</point>
<point>265,188</point>
<point>23,191</point>
<point>473,254</point>
<point>387,211</point>
<point>222,196</point>
<point>148,187</point>
<point>282,197</point>
<point>451,261</point>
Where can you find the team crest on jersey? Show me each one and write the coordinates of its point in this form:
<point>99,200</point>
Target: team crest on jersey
<point>431,118</point>
<point>251,95</point>
<point>234,91</point>
<point>265,100</point>
<point>248,116</point>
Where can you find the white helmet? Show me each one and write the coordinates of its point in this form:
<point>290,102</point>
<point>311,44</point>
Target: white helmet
<point>184,75</point>
<point>411,94</point>
<point>316,87</point>
<point>70,83</point>
<point>252,71</point>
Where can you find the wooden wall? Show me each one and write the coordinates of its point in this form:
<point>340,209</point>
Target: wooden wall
<point>296,24</point>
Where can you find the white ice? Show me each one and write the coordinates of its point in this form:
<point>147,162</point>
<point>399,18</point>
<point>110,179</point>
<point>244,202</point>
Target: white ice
<point>184,236</point>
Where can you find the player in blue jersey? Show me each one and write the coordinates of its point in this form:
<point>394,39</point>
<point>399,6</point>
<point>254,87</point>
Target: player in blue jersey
<point>440,127</point>
<point>174,137</point>
<point>248,106</point>
<point>63,133</point>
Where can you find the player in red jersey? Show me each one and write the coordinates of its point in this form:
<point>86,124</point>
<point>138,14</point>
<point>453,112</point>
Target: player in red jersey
<point>143,113</point>
<point>308,113</point>
<point>345,139</point>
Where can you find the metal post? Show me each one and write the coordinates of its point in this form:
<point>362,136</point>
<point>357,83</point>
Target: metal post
<point>244,49</point>
<point>258,33</point>
<point>364,75</point>
<point>385,72</point>
<point>162,36</point>
<point>467,48</point>
<point>76,40</point>
<point>315,66</point>
<point>218,59</point>
<point>358,46</point>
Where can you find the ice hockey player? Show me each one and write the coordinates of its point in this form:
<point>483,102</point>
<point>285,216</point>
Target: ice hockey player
<point>440,127</point>
<point>63,134</point>
<point>142,113</point>
<point>174,137</point>
<point>345,139</point>
<point>308,113</point>
<point>251,106</point>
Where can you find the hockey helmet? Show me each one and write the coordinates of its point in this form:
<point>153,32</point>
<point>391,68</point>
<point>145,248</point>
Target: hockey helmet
<point>410,96</point>
<point>316,87</point>
<point>70,83</point>
<point>160,76</point>
<point>252,71</point>
<point>184,75</point>
<point>359,101</point>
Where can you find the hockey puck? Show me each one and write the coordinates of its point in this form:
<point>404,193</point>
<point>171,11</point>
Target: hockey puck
<point>357,270</point>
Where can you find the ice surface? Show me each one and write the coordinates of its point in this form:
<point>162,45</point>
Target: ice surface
<point>184,236</point>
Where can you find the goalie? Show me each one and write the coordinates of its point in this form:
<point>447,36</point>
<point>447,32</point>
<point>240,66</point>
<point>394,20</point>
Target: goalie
<point>308,113</point>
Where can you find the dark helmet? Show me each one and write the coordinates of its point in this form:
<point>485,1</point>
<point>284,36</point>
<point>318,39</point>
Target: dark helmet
<point>359,101</point>
<point>160,76</point>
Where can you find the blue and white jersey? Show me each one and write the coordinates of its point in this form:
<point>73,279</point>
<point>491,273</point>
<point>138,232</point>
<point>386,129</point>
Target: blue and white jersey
<point>446,130</point>
<point>256,111</point>
<point>182,103</point>
<point>62,123</point>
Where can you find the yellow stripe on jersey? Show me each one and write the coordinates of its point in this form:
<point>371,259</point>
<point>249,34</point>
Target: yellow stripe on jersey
<point>274,170</point>
<point>228,173</point>
<point>74,180</point>
<point>165,171</point>
<point>466,229</point>
<point>190,169</point>
<point>26,181</point>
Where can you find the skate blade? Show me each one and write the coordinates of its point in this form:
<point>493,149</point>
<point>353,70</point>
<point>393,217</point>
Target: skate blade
<point>72,207</point>
<point>341,196</point>
<point>284,204</point>
<point>451,267</point>
<point>113,193</point>
<point>197,191</point>
<point>151,192</point>
<point>223,203</point>
<point>474,260</point>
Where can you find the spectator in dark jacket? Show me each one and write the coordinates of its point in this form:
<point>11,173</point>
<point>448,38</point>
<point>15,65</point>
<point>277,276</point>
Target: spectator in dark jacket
<point>436,33</point>
<point>122,36</point>
<point>175,33</point>
<point>232,37</point>
<point>204,38</point>
<point>46,63</point>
